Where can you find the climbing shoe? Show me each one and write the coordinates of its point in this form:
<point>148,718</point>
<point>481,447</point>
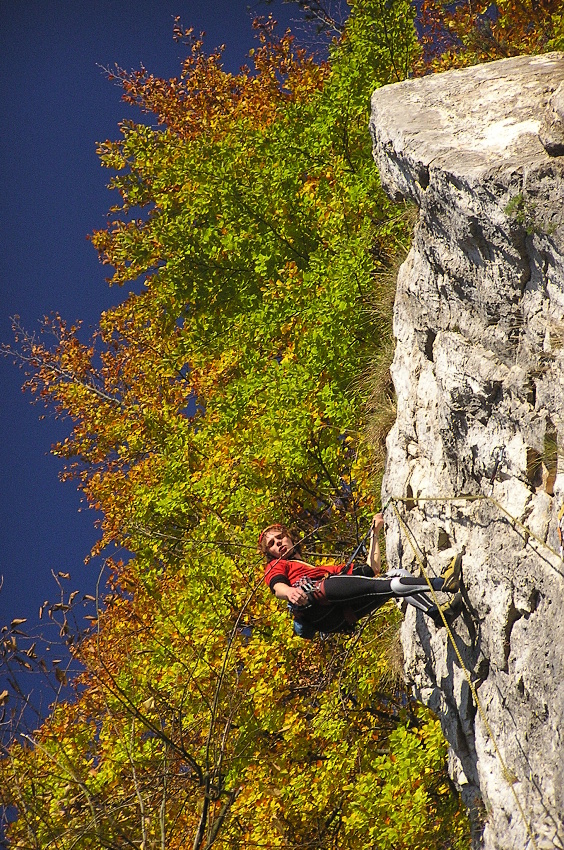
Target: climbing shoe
<point>452,574</point>
<point>451,611</point>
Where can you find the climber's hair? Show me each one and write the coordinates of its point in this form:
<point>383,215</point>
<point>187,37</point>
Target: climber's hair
<point>277,526</point>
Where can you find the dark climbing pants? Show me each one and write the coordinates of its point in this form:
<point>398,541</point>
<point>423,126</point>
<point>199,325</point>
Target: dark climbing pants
<point>341,600</point>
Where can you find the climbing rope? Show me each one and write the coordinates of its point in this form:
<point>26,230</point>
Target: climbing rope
<point>509,777</point>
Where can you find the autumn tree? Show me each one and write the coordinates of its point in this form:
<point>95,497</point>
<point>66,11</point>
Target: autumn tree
<point>460,34</point>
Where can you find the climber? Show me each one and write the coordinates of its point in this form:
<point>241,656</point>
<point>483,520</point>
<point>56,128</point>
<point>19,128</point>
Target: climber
<point>333,597</point>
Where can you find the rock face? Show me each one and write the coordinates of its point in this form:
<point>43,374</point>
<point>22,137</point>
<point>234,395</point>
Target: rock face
<point>479,377</point>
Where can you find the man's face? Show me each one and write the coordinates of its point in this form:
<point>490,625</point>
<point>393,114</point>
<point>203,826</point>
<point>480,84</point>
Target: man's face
<point>278,544</point>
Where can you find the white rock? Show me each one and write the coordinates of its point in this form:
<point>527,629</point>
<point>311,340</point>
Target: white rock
<point>479,367</point>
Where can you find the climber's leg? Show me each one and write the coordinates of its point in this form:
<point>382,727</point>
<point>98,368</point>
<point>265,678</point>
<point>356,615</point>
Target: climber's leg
<point>424,603</point>
<point>337,588</point>
<point>342,587</point>
<point>407,585</point>
<point>421,601</point>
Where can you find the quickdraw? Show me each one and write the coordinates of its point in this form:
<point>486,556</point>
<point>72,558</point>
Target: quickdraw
<point>498,457</point>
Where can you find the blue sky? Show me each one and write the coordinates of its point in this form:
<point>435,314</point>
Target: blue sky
<point>56,103</point>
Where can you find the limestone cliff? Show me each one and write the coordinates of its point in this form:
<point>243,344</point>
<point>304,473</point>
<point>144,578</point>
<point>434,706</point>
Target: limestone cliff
<point>479,377</point>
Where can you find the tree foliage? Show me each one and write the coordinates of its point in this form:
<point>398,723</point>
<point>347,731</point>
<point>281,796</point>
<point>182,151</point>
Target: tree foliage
<point>455,35</point>
<point>228,390</point>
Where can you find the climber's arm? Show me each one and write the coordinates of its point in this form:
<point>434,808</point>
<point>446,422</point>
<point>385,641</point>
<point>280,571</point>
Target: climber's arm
<point>374,557</point>
<point>294,595</point>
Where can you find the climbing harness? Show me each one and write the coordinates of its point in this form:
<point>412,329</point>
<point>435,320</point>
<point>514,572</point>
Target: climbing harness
<point>498,457</point>
<point>507,774</point>
<point>309,587</point>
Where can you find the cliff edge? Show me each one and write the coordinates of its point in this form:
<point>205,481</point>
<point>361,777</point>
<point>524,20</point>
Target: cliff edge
<point>475,460</point>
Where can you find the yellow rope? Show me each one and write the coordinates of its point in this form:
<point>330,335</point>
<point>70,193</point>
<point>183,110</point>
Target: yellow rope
<point>508,776</point>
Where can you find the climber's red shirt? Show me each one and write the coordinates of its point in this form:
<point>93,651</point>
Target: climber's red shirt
<point>280,571</point>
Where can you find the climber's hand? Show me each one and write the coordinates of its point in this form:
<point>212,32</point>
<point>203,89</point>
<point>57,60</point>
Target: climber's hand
<point>296,596</point>
<point>377,525</point>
